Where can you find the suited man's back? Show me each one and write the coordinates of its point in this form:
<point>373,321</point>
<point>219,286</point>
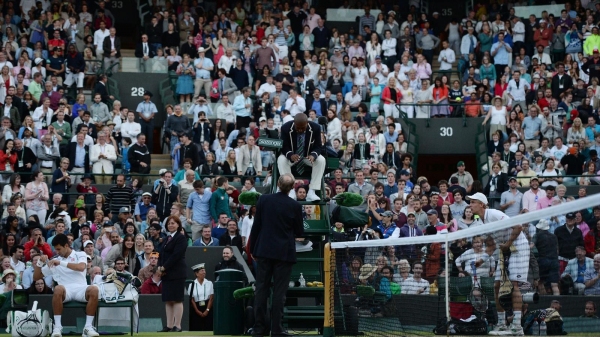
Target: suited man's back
<point>278,221</point>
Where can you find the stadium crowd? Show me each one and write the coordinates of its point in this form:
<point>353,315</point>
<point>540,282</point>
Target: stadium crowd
<point>246,71</point>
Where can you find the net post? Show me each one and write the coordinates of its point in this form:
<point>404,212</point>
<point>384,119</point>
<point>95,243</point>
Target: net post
<point>328,274</point>
<point>446,286</point>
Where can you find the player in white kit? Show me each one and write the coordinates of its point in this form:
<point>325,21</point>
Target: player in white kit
<point>68,270</point>
<point>518,263</point>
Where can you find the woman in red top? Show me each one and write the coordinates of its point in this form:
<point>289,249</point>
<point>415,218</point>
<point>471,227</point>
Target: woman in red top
<point>592,241</point>
<point>501,86</point>
<point>390,97</point>
<point>440,99</point>
<point>8,157</point>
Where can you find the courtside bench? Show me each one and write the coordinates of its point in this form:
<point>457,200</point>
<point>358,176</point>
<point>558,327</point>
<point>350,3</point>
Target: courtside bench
<point>102,304</point>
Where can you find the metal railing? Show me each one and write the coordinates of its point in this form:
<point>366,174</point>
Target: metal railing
<point>481,157</point>
<point>469,6</point>
<point>143,8</point>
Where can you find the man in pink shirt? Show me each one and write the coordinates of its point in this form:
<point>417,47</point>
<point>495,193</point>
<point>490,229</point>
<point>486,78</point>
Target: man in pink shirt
<point>547,200</point>
<point>532,196</point>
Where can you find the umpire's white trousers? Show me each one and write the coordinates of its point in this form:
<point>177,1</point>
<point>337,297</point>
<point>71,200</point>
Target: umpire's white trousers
<point>318,168</point>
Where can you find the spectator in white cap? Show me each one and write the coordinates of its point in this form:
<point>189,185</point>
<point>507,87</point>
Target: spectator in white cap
<point>161,173</point>
<point>142,207</point>
<point>91,251</point>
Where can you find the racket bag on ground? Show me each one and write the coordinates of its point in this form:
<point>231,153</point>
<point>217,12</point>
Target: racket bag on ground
<point>33,323</point>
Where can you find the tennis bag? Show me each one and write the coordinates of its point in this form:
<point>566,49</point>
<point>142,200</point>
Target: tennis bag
<point>476,326</point>
<point>118,288</point>
<point>33,323</point>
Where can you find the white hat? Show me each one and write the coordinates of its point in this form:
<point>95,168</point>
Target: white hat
<point>146,194</point>
<point>162,171</point>
<point>38,60</point>
<point>87,242</point>
<point>201,50</point>
<point>198,266</point>
<point>262,119</point>
<point>543,224</point>
<point>478,196</point>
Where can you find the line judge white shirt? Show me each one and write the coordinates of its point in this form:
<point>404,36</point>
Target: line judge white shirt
<point>63,275</point>
<point>201,292</point>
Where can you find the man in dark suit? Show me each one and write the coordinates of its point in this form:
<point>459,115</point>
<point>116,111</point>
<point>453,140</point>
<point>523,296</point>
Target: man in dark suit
<point>79,157</point>
<point>277,222</point>
<point>561,82</point>
<point>302,148</point>
<point>18,103</point>
<point>100,88</point>
<point>144,51</point>
<point>154,32</point>
<point>314,102</point>
<point>225,86</point>
<point>139,156</point>
<point>305,88</point>
<point>112,50</point>
<point>515,165</point>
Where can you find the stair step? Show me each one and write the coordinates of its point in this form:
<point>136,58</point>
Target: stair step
<point>127,52</point>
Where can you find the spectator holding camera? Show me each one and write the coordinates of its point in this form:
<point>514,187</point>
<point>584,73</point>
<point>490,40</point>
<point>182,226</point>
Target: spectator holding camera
<point>165,194</point>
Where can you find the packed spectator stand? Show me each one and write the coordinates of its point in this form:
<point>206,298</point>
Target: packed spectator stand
<point>77,161</point>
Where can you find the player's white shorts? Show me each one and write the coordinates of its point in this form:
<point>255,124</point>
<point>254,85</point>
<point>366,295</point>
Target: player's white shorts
<point>518,264</point>
<point>76,292</point>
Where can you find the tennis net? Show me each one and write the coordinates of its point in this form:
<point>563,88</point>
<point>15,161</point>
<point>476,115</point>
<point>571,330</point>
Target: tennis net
<point>414,285</point>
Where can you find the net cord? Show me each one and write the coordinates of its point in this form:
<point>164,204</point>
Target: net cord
<point>561,209</point>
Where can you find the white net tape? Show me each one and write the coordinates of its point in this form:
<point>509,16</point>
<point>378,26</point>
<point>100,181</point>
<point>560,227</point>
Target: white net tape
<point>548,212</point>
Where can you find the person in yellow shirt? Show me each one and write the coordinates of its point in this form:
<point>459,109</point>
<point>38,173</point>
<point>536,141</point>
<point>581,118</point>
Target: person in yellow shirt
<point>592,42</point>
<point>524,176</point>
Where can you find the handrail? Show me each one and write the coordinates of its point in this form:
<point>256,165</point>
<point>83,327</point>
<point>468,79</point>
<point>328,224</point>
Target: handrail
<point>424,6</point>
<point>140,13</point>
<point>481,157</point>
<point>470,5</point>
<point>412,138</point>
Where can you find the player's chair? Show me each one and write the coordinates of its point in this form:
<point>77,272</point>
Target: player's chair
<point>102,304</point>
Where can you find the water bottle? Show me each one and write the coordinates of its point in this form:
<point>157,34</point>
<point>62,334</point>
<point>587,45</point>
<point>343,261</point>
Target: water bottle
<point>302,281</point>
<point>543,328</point>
